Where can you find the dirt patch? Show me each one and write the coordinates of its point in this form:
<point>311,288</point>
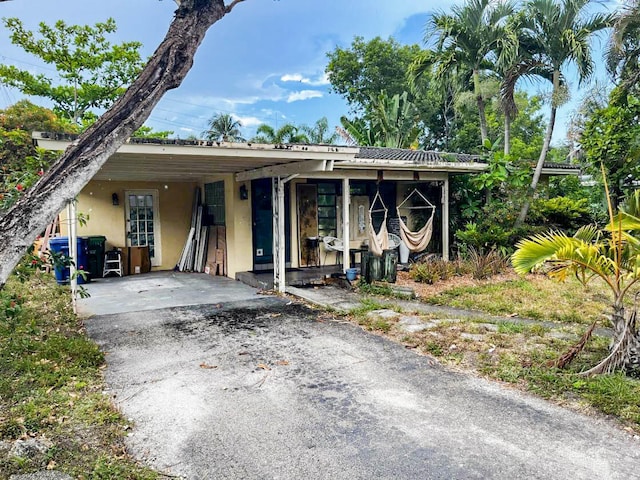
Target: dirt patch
<point>424,290</point>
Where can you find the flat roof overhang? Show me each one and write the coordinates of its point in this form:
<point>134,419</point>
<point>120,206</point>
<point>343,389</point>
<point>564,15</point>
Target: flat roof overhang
<point>167,162</point>
<point>188,163</point>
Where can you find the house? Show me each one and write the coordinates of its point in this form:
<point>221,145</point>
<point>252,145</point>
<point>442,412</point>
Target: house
<point>272,200</point>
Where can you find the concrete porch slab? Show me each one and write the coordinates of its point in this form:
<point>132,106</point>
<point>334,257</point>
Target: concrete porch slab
<point>158,290</point>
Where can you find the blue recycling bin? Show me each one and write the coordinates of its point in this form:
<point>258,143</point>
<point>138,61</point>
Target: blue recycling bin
<point>61,245</point>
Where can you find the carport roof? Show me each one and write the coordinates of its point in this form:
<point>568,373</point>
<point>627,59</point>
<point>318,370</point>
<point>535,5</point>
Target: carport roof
<point>172,160</point>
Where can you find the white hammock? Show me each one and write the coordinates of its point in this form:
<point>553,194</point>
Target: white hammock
<point>378,242</point>
<point>416,241</point>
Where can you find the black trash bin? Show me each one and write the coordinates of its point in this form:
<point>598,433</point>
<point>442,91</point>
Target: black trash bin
<point>95,255</point>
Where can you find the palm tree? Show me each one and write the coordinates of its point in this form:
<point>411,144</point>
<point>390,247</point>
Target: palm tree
<point>623,55</point>
<point>557,33</point>
<point>319,132</point>
<point>465,41</point>
<point>613,255</point>
<point>287,133</point>
<point>392,123</point>
<point>223,127</point>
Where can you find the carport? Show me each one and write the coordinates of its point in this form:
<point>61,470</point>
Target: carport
<point>157,290</point>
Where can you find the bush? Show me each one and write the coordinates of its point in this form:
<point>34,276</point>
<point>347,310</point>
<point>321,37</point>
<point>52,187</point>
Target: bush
<point>485,265</point>
<point>434,269</point>
<point>561,213</point>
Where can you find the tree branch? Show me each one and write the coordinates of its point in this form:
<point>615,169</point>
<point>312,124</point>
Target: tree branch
<point>232,4</point>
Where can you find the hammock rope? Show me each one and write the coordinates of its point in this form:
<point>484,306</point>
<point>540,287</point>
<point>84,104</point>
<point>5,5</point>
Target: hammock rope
<point>419,240</point>
<point>378,242</point>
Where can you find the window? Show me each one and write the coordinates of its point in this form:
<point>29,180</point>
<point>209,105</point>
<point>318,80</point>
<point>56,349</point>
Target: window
<point>327,223</point>
<point>214,203</point>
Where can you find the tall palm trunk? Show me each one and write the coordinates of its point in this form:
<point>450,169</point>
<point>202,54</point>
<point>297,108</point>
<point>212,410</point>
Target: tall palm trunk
<point>543,153</point>
<point>507,134</point>
<point>480,100</point>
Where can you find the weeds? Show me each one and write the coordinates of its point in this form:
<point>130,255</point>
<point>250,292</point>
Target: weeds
<point>51,387</point>
<point>485,265</point>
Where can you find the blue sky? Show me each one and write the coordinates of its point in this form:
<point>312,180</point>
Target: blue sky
<point>263,63</point>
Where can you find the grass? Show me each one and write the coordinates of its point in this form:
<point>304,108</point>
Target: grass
<point>535,297</point>
<point>51,386</point>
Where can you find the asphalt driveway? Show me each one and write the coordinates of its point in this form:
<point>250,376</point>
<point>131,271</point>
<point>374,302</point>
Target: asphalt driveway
<point>260,388</point>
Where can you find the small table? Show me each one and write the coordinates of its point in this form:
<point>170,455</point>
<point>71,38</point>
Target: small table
<point>352,254</point>
<point>313,251</point>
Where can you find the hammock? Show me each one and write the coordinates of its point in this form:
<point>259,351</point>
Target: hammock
<point>378,242</point>
<point>416,241</point>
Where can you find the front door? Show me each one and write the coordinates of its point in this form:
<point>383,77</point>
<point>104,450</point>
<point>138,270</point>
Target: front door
<point>143,222</point>
<point>262,216</point>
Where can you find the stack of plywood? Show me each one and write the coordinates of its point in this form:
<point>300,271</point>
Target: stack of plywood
<point>194,253</point>
<point>217,251</point>
<point>205,249</point>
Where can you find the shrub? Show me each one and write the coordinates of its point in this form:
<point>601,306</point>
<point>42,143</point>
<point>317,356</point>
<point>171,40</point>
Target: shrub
<point>485,265</point>
<point>562,213</point>
<point>434,269</point>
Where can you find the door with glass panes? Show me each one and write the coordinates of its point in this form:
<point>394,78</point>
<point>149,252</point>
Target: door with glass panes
<point>142,222</point>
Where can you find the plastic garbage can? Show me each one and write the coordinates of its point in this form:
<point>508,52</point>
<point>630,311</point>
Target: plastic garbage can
<point>61,245</point>
<point>95,255</point>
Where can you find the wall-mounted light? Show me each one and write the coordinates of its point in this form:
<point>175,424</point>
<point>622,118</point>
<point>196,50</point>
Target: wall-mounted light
<point>244,193</point>
<point>114,199</point>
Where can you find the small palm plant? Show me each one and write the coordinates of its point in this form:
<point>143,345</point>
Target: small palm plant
<point>611,254</point>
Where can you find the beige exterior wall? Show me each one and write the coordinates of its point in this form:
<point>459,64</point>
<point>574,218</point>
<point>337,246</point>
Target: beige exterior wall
<point>238,224</point>
<point>174,203</point>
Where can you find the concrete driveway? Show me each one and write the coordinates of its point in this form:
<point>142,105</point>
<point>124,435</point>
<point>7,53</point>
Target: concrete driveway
<point>259,388</point>
<point>151,291</point>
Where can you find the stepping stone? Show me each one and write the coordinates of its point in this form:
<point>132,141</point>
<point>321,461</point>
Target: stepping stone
<point>384,314</point>
<point>413,324</point>
<point>490,327</point>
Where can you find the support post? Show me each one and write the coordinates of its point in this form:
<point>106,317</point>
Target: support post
<point>346,205</point>
<point>279,241</point>
<point>73,251</point>
<point>445,219</point>
<point>282,259</point>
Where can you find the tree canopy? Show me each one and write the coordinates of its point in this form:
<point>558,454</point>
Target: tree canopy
<point>92,72</point>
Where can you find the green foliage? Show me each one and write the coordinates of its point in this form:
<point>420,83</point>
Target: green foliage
<point>361,72</point>
<point>434,269</point>
<point>51,386</point>
<point>611,137</point>
<point>484,237</point>
<point>485,265</point>
<point>287,133</point>
<point>319,132</point>
<point>149,132</point>
<point>392,123</point>
<point>222,127</point>
<point>21,162</point>
<point>561,213</point>
<point>94,73</point>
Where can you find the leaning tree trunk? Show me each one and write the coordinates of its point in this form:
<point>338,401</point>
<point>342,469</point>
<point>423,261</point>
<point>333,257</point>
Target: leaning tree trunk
<point>624,354</point>
<point>166,70</point>
<point>545,149</point>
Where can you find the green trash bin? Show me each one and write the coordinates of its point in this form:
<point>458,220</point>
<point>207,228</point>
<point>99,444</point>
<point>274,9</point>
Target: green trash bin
<point>95,257</point>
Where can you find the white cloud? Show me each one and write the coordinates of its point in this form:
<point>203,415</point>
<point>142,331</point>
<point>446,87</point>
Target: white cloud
<point>248,121</point>
<point>293,77</point>
<point>304,95</point>
<point>184,129</point>
<point>297,77</point>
